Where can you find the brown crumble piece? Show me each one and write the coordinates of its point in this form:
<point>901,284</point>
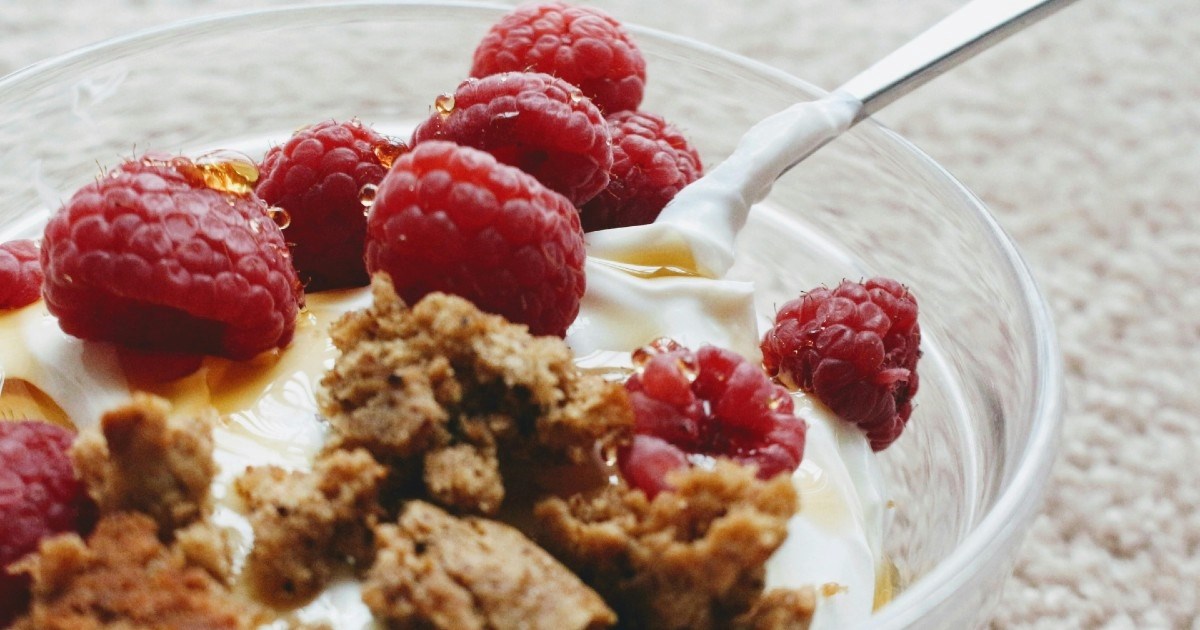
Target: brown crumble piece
<point>307,524</point>
<point>465,476</point>
<point>434,570</point>
<point>124,577</point>
<point>457,391</point>
<point>692,558</point>
<point>144,459</point>
<point>208,546</point>
<point>780,609</point>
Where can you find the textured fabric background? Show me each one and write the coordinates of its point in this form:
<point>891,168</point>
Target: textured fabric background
<point>1083,135</point>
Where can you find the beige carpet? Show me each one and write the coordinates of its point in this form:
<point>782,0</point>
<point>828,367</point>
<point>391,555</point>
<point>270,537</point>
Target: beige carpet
<point>1083,134</point>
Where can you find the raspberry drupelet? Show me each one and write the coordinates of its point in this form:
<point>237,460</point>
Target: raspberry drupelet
<point>318,177</point>
<point>451,218</point>
<point>168,255</point>
<point>652,161</point>
<point>856,348</point>
<point>581,45</point>
<point>710,402</point>
<point>20,274</point>
<point>533,121</point>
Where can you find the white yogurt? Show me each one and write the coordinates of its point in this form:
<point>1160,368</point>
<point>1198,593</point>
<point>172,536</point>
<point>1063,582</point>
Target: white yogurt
<point>643,283</point>
<point>835,538</point>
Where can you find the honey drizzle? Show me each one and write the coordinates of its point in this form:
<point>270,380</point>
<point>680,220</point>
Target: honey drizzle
<point>887,583</point>
<point>224,171</point>
<point>22,400</point>
<point>388,151</point>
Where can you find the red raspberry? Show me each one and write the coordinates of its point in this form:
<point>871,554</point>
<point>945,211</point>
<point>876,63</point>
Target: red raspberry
<point>855,347</point>
<point>535,122</point>
<point>318,176</point>
<point>39,497</point>
<point>20,274</point>
<point>582,45</point>
<point>151,257</point>
<point>708,402</point>
<point>451,218</point>
<point>652,161</point>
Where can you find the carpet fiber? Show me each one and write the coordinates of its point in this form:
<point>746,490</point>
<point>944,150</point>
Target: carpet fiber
<point>1083,135</point>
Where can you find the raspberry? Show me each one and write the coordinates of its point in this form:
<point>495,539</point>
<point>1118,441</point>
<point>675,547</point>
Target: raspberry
<point>451,218</point>
<point>856,348</point>
<point>151,257</point>
<point>709,402</point>
<point>318,176</point>
<point>39,497</point>
<point>581,45</point>
<point>20,274</point>
<point>535,122</point>
<point>652,161</point>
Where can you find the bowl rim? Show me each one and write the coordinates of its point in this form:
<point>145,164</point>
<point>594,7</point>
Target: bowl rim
<point>1021,492</point>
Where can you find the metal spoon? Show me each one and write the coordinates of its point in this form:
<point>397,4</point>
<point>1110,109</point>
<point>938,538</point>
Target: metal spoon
<point>697,229</point>
<point>959,36</point>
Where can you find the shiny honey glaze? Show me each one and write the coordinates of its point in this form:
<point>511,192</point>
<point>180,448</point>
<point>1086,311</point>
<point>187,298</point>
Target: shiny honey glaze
<point>264,399</point>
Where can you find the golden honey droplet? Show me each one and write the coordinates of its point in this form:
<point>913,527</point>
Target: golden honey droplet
<point>280,216</point>
<point>22,400</point>
<point>366,195</point>
<point>662,345</point>
<point>444,104</point>
<point>688,367</point>
<point>227,171</point>
<point>388,151</point>
<point>608,452</point>
<point>829,589</point>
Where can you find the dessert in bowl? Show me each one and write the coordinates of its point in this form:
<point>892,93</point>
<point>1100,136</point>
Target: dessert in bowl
<point>959,486</point>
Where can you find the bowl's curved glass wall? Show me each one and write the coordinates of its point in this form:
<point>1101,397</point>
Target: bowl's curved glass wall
<point>968,472</point>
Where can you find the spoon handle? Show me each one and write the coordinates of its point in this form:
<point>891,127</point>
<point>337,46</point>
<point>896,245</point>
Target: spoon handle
<point>973,28</point>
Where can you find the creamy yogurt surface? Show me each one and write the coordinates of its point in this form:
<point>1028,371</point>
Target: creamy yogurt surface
<point>643,283</point>
<point>270,418</point>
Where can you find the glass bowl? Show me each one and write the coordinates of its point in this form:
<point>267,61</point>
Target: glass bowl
<point>966,477</point>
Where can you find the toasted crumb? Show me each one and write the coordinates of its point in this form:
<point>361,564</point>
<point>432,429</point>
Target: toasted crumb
<point>124,577</point>
<point>433,570</point>
<point>307,523</point>
<point>142,459</point>
<point>465,477</point>
<point>207,546</point>
<point>780,609</point>
<point>692,558</point>
<point>462,391</point>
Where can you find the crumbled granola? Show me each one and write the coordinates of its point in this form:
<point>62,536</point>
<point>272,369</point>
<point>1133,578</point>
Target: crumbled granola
<point>306,524</point>
<point>205,545</point>
<point>691,558</point>
<point>441,403</point>
<point>144,459</point>
<point>124,577</point>
<point>444,376</point>
<point>434,570</point>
